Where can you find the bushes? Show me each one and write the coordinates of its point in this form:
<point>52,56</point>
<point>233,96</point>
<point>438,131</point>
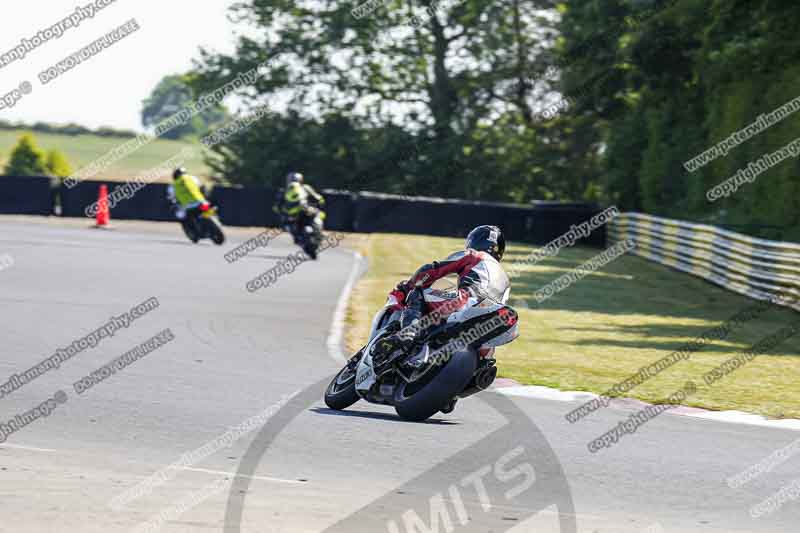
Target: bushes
<point>57,164</point>
<point>27,159</point>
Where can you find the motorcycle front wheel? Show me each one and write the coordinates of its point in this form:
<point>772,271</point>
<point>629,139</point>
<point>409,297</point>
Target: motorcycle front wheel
<point>311,241</point>
<point>341,392</point>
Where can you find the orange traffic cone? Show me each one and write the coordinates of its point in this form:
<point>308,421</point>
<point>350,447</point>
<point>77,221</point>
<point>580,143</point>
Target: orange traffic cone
<point>103,213</point>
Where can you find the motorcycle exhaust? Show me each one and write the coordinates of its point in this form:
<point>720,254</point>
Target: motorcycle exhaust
<point>485,377</point>
<point>481,381</point>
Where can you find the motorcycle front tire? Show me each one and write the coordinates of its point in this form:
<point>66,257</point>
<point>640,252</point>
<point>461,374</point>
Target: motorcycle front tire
<point>341,392</point>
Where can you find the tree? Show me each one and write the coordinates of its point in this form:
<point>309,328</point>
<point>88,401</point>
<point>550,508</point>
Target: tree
<point>26,159</point>
<point>441,72</point>
<point>57,164</point>
<point>517,100</point>
<point>171,95</point>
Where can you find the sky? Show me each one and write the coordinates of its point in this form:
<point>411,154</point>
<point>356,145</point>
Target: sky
<point>107,89</point>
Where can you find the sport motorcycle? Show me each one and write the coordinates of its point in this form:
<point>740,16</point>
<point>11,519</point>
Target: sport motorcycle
<point>452,360</point>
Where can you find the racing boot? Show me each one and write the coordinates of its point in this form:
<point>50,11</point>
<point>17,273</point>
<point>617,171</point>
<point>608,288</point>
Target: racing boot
<point>397,344</point>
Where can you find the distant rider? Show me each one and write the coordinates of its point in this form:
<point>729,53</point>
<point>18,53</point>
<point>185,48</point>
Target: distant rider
<point>294,206</point>
<point>185,194</point>
<point>479,275</point>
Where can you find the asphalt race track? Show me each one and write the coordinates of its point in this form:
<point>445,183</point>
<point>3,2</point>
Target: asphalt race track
<point>492,465</point>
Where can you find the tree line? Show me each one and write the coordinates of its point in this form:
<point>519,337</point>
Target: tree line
<point>514,100</point>
<point>519,100</point>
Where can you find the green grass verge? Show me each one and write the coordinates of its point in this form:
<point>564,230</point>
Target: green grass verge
<point>603,328</point>
<point>81,150</point>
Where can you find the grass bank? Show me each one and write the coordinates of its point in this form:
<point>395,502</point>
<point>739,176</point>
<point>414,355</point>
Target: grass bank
<point>81,150</point>
<point>608,325</point>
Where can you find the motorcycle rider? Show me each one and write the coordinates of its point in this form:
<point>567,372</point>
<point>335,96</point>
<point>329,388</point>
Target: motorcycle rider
<point>294,205</point>
<point>479,275</point>
<point>185,194</point>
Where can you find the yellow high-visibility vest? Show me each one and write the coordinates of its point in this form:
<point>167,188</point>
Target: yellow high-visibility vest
<point>187,191</point>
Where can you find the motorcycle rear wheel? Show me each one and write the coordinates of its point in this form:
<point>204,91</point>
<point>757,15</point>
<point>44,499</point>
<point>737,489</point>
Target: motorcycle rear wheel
<point>310,249</point>
<point>214,231</point>
<point>423,398</point>
<point>189,230</point>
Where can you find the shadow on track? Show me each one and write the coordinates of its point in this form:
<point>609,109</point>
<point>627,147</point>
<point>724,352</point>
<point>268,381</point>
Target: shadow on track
<point>380,416</point>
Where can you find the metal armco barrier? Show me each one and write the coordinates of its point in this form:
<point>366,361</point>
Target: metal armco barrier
<point>757,268</point>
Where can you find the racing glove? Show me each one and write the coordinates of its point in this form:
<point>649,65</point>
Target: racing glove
<point>400,293</point>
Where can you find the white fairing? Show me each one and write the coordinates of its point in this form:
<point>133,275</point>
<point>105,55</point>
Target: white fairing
<point>376,320</point>
<point>365,375</point>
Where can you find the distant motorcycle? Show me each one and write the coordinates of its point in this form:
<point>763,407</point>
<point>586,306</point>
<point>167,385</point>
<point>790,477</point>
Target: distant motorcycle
<point>204,224</point>
<point>308,232</point>
<point>436,372</point>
